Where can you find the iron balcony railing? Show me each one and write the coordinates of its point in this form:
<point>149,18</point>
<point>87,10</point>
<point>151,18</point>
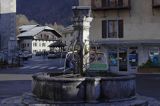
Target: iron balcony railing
<point>110,4</point>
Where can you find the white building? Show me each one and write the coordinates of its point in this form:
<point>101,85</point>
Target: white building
<point>35,38</point>
<point>8,41</point>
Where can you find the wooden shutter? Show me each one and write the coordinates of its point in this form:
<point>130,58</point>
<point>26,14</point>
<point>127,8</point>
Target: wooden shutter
<point>104,3</point>
<point>120,28</point>
<point>104,29</point>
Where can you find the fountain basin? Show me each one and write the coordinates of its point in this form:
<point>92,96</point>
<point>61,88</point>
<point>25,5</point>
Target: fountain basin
<point>74,88</point>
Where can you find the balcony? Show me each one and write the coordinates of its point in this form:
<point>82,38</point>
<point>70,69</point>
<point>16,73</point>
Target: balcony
<point>103,5</point>
<point>156,3</point>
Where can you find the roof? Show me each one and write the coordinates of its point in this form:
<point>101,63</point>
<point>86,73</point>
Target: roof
<point>34,31</point>
<point>57,44</point>
<point>68,29</point>
<point>128,42</point>
<point>27,27</point>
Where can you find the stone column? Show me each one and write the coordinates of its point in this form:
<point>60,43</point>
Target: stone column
<point>82,20</point>
<point>86,41</point>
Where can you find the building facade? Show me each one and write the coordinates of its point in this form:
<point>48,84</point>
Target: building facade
<point>35,38</point>
<point>8,43</point>
<point>127,31</point>
<point>67,36</point>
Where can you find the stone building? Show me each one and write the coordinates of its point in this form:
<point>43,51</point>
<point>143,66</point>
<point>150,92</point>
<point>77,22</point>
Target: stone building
<point>127,31</point>
<point>8,41</point>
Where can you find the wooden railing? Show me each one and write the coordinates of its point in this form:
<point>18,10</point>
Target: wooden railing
<point>110,4</point>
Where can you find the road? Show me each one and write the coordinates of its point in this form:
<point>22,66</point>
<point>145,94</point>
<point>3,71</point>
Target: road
<point>35,65</point>
<point>149,85</point>
<point>17,81</point>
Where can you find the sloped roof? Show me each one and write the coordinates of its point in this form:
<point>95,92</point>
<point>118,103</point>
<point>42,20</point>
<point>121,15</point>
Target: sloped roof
<point>57,44</point>
<point>34,31</point>
<point>27,27</point>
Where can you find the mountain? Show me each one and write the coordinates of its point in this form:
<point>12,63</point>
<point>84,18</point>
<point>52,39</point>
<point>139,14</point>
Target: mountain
<point>47,11</point>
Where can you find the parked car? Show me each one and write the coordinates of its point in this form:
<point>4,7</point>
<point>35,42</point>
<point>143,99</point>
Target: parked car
<point>51,56</point>
<point>38,53</point>
<point>57,55</point>
<point>25,55</point>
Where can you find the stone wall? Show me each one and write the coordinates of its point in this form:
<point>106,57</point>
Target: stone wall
<point>71,88</point>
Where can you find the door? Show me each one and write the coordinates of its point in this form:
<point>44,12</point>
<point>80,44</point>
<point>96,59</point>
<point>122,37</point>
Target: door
<point>123,60</point>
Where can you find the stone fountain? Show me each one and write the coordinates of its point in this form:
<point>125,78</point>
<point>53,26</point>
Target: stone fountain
<point>82,87</point>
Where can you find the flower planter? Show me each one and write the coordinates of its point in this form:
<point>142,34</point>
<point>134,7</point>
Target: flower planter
<point>149,70</point>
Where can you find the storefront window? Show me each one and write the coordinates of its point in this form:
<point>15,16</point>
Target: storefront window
<point>113,58</point>
<point>154,56</point>
<point>133,56</point>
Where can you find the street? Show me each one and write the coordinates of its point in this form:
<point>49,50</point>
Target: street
<point>36,65</point>
<point>17,81</point>
<point>149,85</point>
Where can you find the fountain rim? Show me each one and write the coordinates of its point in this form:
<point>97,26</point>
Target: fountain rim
<point>47,77</point>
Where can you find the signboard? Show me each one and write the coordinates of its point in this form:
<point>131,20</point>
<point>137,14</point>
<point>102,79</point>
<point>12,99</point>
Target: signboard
<point>98,62</point>
<point>98,67</point>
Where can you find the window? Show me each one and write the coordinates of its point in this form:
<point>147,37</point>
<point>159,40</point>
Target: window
<point>43,44</point>
<point>154,56</point>
<point>35,44</point>
<point>28,44</point>
<point>113,57</point>
<point>112,29</point>
<point>113,3</point>
<point>46,37</point>
<point>133,56</point>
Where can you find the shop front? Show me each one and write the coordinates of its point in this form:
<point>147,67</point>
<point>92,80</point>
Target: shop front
<point>123,59</point>
<point>127,56</point>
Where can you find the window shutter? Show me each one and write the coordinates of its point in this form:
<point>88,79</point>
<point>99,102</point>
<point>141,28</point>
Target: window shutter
<point>104,3</point>
<point>120,28</point>
<point>104,29</point>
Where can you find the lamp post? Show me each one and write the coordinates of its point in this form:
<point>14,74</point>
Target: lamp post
<point>82,19</point>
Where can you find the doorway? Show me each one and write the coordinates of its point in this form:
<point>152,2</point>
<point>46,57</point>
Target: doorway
<point>123,60</point>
